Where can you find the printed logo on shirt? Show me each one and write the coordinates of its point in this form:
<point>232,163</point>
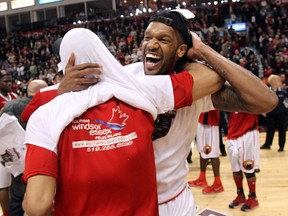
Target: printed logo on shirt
<point>10,155</point>
<point>105,132</point>
<point>117,116</point>
<point>116,123</point>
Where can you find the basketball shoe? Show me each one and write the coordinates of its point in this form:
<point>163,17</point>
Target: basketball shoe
<point>213,189</point>
<point>198,183</point>
<point>237,201</point>
<point>250,204</point>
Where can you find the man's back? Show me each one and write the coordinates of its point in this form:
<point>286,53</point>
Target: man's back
<point>109,154</point>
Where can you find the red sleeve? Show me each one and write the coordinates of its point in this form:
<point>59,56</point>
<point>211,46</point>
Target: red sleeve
<point>40,161</point>
<point>182,87</point>
<point>38,100</point>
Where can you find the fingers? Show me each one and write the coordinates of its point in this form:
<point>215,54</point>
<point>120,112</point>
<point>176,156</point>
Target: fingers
<point>88,80</point>
<point>79,77</point>
<point>85,72</point>
<point>75,84</point>
<point>71,61</point>
<point>81,69</point>
<point>88,67</point>
<point>193,34</point>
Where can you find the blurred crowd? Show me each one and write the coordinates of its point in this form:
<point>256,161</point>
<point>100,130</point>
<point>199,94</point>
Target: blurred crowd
<point>261,48</point>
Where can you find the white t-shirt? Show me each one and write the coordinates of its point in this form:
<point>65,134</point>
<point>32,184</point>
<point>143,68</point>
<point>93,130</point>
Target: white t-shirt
<point>172,150</point>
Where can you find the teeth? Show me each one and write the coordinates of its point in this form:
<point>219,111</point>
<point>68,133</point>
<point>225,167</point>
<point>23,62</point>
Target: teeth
<point>152,56</point>
<point>151,63</point>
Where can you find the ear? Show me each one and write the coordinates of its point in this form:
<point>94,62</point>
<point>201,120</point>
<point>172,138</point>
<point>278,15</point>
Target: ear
<point>181,50</point>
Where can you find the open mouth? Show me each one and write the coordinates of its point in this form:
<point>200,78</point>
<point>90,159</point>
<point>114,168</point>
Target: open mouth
<point>152,61</point>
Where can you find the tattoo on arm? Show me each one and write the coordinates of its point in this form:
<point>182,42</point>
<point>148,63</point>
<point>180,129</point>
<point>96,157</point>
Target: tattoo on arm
<point>226,99</point>
<point>220,71</point>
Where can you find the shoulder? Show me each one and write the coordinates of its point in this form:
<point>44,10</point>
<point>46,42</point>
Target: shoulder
<point>10,106</point>
<point>12,102</point>
<point>13,95</point>
<point>195,66</point>
<point>135,68</point>
<point>49,88</point>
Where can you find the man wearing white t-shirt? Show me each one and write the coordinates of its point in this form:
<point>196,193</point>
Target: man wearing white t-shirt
<point>161,56</point>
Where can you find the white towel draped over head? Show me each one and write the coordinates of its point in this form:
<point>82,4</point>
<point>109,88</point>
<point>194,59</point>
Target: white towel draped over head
<point>46,123</point>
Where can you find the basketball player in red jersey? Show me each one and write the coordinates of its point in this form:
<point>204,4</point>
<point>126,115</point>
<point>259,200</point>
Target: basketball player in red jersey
<point>243,150</point>
<point>208,147</point>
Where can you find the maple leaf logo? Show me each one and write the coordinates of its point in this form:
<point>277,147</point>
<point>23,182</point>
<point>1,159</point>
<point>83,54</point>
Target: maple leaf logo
<point>117,116</point>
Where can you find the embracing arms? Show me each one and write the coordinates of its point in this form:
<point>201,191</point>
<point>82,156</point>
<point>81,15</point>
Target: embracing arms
<point>244,93</point>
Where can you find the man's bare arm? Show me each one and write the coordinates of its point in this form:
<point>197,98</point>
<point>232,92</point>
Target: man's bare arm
<point>226,99</point>
<point>78,77</point>
<point>39,195</point>
<point>206,81</point>
<point>247,93</point>
<point>4,198</point>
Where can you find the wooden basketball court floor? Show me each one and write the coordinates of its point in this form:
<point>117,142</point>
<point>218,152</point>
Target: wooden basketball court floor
<point>271,185</point>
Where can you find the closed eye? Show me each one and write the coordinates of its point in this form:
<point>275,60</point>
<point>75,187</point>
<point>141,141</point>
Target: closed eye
<point>147,38</point>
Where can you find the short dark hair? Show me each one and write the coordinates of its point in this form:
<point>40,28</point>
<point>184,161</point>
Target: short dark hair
<point>56,47</point>
<point>175,20</point>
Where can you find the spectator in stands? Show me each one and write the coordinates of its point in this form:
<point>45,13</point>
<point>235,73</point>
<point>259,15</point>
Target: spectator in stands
<point>50,76</point>
<point>57,78</point>
<point>236,56</point>
<point>6,93</point>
